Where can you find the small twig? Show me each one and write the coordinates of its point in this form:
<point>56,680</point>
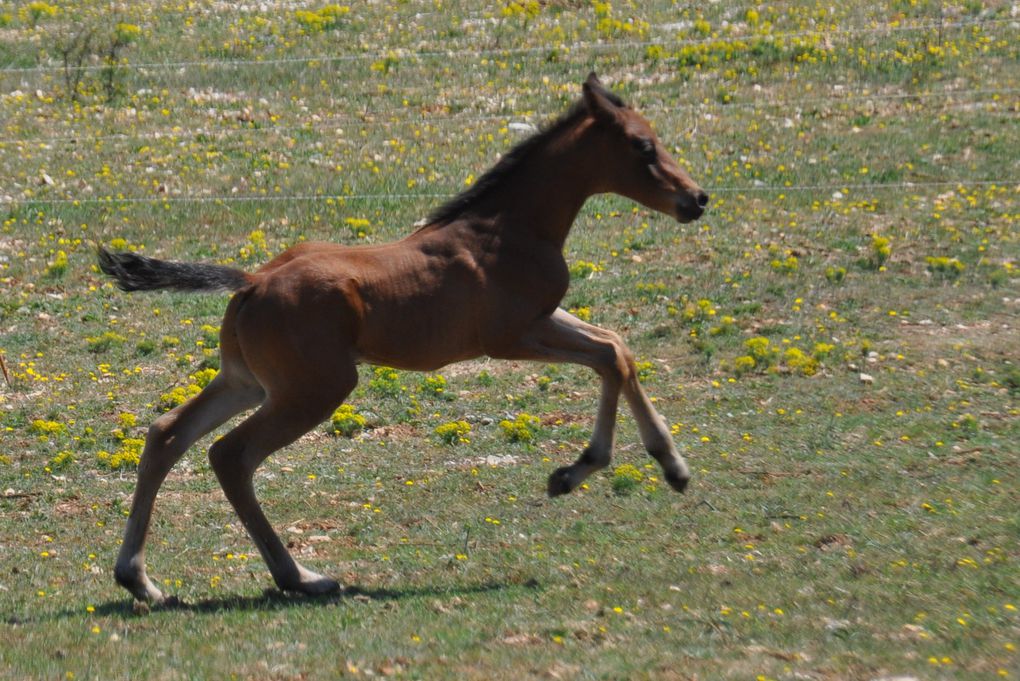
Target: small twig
<point>21,495</point>
<point>3,367</point>
<point>768,474</point>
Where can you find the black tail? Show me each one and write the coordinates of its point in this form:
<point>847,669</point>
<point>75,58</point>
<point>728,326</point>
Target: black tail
<point>135,272</point>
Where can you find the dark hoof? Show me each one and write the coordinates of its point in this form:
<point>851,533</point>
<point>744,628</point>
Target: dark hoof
<point>169,603</point>
<point>308,583</point>
<point>166,603</point>
<point>560,482</point>
<point>677,482</point>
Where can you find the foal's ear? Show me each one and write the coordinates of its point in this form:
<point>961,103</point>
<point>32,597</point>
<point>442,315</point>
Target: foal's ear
<point>601,104</point>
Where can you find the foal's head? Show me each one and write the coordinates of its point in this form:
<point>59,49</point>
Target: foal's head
<point>641,169</point>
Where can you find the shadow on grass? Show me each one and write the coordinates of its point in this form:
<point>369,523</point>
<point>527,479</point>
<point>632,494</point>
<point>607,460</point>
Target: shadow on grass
<point>272,599</point>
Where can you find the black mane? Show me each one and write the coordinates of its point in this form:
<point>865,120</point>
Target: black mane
<point>510,161</point>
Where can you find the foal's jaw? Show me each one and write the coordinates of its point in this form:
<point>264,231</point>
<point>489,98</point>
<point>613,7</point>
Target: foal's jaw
<point>663,187</point>
<point>684,205</point>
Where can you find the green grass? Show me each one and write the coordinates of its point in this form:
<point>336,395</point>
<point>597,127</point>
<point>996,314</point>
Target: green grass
<point>838,527</point>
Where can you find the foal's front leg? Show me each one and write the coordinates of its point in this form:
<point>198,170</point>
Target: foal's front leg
<point>597,454</point>
<point>655,435</point>
<point>561,337</point>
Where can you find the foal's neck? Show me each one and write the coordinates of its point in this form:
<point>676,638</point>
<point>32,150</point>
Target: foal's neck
<point>543,196</point>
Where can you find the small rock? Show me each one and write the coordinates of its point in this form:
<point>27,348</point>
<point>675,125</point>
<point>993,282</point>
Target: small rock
<point>517,126</point>
<point>836,626</point>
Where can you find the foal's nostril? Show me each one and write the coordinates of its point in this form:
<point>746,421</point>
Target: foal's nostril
<point>702,199</point>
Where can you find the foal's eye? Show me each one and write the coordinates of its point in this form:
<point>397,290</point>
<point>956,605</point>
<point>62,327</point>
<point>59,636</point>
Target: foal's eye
<point>645,147</point>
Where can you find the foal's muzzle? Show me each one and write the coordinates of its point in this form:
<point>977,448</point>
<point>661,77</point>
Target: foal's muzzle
<point>690,207</point>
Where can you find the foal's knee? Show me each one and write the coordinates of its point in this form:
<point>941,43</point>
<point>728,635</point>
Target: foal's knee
<point>615,359</point>
<point>161,432</point>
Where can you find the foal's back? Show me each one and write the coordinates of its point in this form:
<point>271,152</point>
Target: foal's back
<point>418,303</point>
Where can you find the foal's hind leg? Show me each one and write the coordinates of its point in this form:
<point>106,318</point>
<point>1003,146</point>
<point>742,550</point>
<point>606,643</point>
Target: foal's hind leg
<point>281,420</point>
<point>169,437</point>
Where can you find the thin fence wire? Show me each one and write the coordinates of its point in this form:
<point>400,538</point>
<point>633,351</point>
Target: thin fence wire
<point>417,116</point>
<point>1006,184</point>
<point>431,117</point>
<point>404,53</point>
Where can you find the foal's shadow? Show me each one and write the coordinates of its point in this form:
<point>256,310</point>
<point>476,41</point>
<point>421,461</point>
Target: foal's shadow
<point>272,599</point>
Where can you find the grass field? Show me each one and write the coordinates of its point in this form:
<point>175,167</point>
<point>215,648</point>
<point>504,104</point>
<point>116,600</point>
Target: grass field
<point>835,344</point>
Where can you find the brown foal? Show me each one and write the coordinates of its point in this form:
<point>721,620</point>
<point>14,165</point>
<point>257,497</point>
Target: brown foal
<point>484,276</point>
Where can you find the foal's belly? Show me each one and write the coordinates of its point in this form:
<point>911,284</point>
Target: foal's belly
<point>419,345</point>
<point>422,331</point>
